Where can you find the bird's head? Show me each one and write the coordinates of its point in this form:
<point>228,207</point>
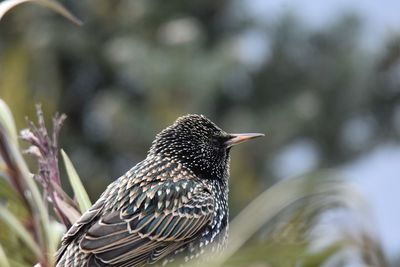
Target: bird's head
<point>199,144</point>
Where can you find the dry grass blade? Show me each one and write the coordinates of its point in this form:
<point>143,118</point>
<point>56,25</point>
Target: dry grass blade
<point>69,211</point>
<point>65,198</point>
<point>7,5</point>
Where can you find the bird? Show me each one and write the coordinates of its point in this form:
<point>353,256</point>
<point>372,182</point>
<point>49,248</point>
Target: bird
<point>170,207</point>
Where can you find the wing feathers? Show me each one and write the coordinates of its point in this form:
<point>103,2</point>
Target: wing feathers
<point>156,222</point>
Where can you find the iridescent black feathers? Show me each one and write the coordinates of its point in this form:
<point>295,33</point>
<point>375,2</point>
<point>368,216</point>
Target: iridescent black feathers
<point>171,205</point>
<point>198,143</point>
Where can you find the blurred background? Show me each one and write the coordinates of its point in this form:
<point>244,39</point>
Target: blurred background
<point>320,78</point>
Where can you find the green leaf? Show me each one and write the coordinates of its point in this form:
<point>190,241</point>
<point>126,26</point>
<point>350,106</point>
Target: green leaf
<point>6,118</point>
<point>7,5</point>
<point>12,222</point>
<point>34,199</point>
<point>3,258</point>
<point>15,263</point>
<point>79,190</point>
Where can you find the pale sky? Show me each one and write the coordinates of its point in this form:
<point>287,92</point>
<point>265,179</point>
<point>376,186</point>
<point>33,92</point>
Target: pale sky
<point>381,18</point>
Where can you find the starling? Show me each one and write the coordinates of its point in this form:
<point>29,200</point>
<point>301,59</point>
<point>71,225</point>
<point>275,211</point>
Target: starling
<point>172,205</point>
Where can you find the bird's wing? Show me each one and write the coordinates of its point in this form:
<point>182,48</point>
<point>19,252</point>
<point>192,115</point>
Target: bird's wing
<point>86,219</point>
<point>158,219</point>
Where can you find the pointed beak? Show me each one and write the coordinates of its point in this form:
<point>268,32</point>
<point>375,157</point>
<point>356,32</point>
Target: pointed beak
<point>240,138</point>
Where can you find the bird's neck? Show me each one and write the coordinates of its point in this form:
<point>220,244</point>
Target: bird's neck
<point>221,212</point>
<point>221,189</point>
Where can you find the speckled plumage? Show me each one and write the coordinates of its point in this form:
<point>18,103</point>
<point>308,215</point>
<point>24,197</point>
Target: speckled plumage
<point>171,205</point>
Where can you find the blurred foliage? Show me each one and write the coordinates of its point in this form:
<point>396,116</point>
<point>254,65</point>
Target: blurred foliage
<point>25,217</point>
<point>134,66</point>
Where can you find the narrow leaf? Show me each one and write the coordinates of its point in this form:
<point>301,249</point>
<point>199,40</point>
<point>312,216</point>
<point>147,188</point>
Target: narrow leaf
<point>9,219</point>
<point>7,5</point>
<point>22,178</point>
<point>79,191</point>
<point>3,258</point>
<point>6,119</point>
